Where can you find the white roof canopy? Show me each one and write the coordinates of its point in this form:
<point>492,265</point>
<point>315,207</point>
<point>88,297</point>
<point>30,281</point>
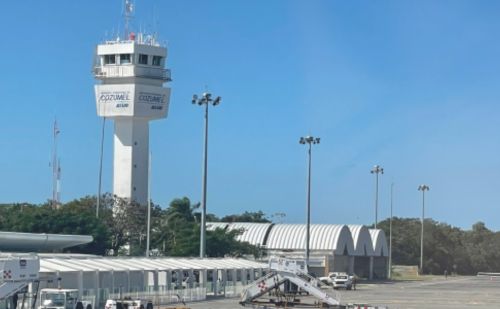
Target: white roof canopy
<point>61,264</point>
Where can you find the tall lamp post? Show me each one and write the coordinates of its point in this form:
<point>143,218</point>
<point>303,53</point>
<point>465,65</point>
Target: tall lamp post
<point>99,186</point>
<point>309,140</point>
<point>422,188</point>
<point>148,240</point>
<point>376,170</point>
<point>206,99</point>
<point>390,236</point>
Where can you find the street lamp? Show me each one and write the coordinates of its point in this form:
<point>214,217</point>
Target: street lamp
<point>206,99</point>
<point>310,141</point>
<point>376,170</point>
<point>422,188</point>
<point>390,235</point>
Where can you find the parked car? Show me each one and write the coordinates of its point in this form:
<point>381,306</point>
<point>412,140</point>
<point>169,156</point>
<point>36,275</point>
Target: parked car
<point>328,280</point>
<point>342,281</point>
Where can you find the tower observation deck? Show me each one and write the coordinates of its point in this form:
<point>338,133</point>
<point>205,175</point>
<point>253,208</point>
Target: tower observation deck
<point>132,92</point>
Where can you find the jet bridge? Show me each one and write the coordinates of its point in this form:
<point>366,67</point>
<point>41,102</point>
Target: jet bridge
<point>287,277</point>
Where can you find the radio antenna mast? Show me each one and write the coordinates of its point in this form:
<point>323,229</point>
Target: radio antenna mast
<point>128,9</point>
<point>56,169</point>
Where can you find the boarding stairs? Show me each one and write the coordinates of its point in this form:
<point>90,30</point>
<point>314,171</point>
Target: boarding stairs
<point>8,289</point>
<point>17,272</point>
<point>281,271</point>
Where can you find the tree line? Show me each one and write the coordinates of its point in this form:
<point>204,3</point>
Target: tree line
<point>121,228</point>
<point>446,248</point>
<point>175,231</point>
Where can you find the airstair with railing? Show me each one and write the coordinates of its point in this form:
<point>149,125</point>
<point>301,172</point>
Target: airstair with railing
<point>287,276</point>
<point>17,271</point>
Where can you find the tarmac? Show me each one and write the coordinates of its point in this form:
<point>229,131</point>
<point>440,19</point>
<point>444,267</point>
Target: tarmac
<point>436,293</point>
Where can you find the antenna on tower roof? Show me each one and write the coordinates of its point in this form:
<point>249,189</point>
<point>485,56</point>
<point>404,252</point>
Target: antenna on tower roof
<point>128,10</point>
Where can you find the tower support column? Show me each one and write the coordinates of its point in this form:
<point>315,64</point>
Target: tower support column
<point>131,159</point>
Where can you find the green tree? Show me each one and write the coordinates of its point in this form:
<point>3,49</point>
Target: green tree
<point>178,234</point>
<point>257,216</point>
<point>75,218</point>
<point>222,243</point>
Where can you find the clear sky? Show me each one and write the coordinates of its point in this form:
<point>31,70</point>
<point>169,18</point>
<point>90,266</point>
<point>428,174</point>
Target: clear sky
<point>409,85</point>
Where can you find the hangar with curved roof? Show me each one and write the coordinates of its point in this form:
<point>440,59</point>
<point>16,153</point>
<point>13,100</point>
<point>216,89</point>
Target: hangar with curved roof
<point>333,247</point>
<point>211,226</point>
<point>361,239</point>
<point>323,237</point>
<point>254,233</point>
<point>379,242</point>
<point>363,249</point>
<point>381,252</point>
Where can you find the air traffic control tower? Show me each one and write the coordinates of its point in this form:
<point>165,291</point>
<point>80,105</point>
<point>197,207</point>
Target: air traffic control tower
<point>131,92</point>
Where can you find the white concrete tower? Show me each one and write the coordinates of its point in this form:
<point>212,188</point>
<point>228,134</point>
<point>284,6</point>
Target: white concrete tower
<point>131,92</point>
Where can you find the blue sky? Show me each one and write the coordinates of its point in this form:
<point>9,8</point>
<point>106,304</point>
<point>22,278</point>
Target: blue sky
<point>409,85</point>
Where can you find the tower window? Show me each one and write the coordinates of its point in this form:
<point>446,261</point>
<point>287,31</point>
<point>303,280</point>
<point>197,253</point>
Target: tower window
<point>143,59</point>
<point>109,59</point>
<point>157,60</point>
<point>124,58</point>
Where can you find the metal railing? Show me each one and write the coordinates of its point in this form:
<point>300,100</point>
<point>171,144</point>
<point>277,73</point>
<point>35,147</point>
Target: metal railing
<point>131,71</point>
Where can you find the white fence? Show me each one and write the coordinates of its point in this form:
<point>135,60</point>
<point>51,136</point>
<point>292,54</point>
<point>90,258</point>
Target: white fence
<point>167,296</point>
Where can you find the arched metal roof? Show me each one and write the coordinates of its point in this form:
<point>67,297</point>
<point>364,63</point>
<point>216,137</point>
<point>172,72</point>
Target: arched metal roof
<point>324,237</point>
<point>13,241</point>
<point>211,226</point>
<point>254,233</point>
<point>379,242</point>
<point>362,240</point>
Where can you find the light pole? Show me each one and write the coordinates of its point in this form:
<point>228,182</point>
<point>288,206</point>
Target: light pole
<point>310,141</point>
<point>390,235</point>
<point>422,188</point>
<point>206,99</point>
<point>149,208</point>
<point>99,186</point>
<point>376,170</point>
